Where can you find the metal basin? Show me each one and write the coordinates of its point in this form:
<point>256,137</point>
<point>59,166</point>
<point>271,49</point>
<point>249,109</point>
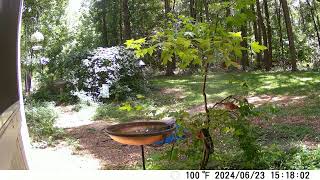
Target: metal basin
<point>140,133</point>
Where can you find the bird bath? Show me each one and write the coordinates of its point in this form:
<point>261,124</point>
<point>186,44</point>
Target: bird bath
<point>140,133</point>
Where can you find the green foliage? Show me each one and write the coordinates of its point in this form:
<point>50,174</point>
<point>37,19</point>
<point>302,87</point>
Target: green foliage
<point>40,120</point>
<point>231,131</point>
<point>256,47</point>
<point>271,157</point>
<point>120,113</point>
<point>48,91</point>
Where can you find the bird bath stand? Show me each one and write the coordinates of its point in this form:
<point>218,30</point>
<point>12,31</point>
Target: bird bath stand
<point>140,133</point>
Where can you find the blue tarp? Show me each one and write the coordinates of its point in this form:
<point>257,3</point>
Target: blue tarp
<point>172,138</point>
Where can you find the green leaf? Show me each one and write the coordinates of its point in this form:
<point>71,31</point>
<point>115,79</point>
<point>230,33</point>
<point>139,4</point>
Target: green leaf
<point>204,43</point>
<point>183,42</point>
<point>257,48</point>
<point>236,34</point>
<point>126,107</point>
<point>135,44</point>
<point>139,96</point>
<point>166,56</point>
<point>139,107</point>
<point>229,63</point>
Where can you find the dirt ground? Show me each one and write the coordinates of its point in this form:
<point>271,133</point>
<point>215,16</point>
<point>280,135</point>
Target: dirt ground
<point>113,155</point>
<point>92,148</point>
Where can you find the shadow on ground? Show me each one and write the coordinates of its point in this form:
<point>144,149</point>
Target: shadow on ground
<point>113,155</point>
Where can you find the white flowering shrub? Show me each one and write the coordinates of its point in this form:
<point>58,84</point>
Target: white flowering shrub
<point>115,67</point>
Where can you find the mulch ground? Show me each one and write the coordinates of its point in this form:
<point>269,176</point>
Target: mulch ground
<point>94,140</point>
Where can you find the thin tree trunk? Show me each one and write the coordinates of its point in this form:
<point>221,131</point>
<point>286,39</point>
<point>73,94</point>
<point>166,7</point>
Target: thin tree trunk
<point>302,17</point>
<point>262,27</point>
<point>278,9</point>
<point>199,6</point>
<point>120,22</point>
<point>257,35</point>
<point>192,8</point>
<point>207,139</point>
<point>244,43</point>
<point>28,81</point>
<point>174,6</point>
<point>126,20</point>
<point>292,48</point>
<point>206,9</point>
<point>269,31</point>
<point>171,66</point>
<point>315,23</point>
<point>104,31</point>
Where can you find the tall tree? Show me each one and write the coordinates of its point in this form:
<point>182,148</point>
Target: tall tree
<point>104,24</point>
<point>120,23</point>
<point>257,34</point>
<point>126,20</point>
<point>314,19</point>
<point>192,8</point>
<point>244,43</point>
<point>206,9</point>
<point>279,22</point>
<point>171,65</point>
<point>262,27</point>
<point>292,48</point>
<point>269,30</point>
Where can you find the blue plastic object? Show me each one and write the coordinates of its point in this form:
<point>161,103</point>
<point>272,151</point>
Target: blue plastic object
<point>172,138</point>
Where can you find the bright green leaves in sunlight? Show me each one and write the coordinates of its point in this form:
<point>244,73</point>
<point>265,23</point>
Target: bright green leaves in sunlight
<point>236,34</point>
<point>139,96</point>
<point>257,48</point>
<point>135,44</point>
<point>133,105</point>
<point>184,42</point>
<point>204,44</point>
<point>192,42</point>
<point>125,107</point>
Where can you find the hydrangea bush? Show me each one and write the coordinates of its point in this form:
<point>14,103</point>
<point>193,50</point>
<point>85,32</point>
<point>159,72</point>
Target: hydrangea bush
<point>115,66</point>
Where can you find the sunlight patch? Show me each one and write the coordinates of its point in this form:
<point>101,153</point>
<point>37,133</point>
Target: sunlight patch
<point>264,99</point>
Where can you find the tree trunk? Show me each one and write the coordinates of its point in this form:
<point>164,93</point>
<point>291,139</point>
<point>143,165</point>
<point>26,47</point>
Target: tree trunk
<point>269,31</point>
<point>278,12</point>
<point>206,9</point>
<point>207,139</point>
<point>244,43</point>
<point>166,7</point>
<point>302,17</point>
<point>315,23</point>
<point>120,22</point>
<point>292,48</point>
<point>192,8</point>
<point>257,35</point>
<point>171,66</point>
<point>174,6</point>
<point>126,20</point>
<point>104,31</point>
<point>262,27</point>
<point>28,81</point>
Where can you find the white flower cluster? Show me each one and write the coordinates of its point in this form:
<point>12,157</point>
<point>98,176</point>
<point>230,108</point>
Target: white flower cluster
<point>115,67</point>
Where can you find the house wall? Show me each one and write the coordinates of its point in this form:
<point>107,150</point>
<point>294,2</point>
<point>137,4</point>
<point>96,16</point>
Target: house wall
<point>13,131</point>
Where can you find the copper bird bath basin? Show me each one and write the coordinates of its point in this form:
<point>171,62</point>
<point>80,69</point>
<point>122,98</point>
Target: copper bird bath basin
<point>140,133</point>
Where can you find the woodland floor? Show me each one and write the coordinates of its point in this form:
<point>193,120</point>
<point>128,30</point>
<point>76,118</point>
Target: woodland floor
<point>290,101</point>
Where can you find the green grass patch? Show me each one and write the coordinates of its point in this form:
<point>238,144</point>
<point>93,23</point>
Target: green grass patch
<point>281,142</point>
<point>287,133</point>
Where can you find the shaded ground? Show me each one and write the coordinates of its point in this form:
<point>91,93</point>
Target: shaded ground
<point>87,146</point>
<point>93,139</point>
